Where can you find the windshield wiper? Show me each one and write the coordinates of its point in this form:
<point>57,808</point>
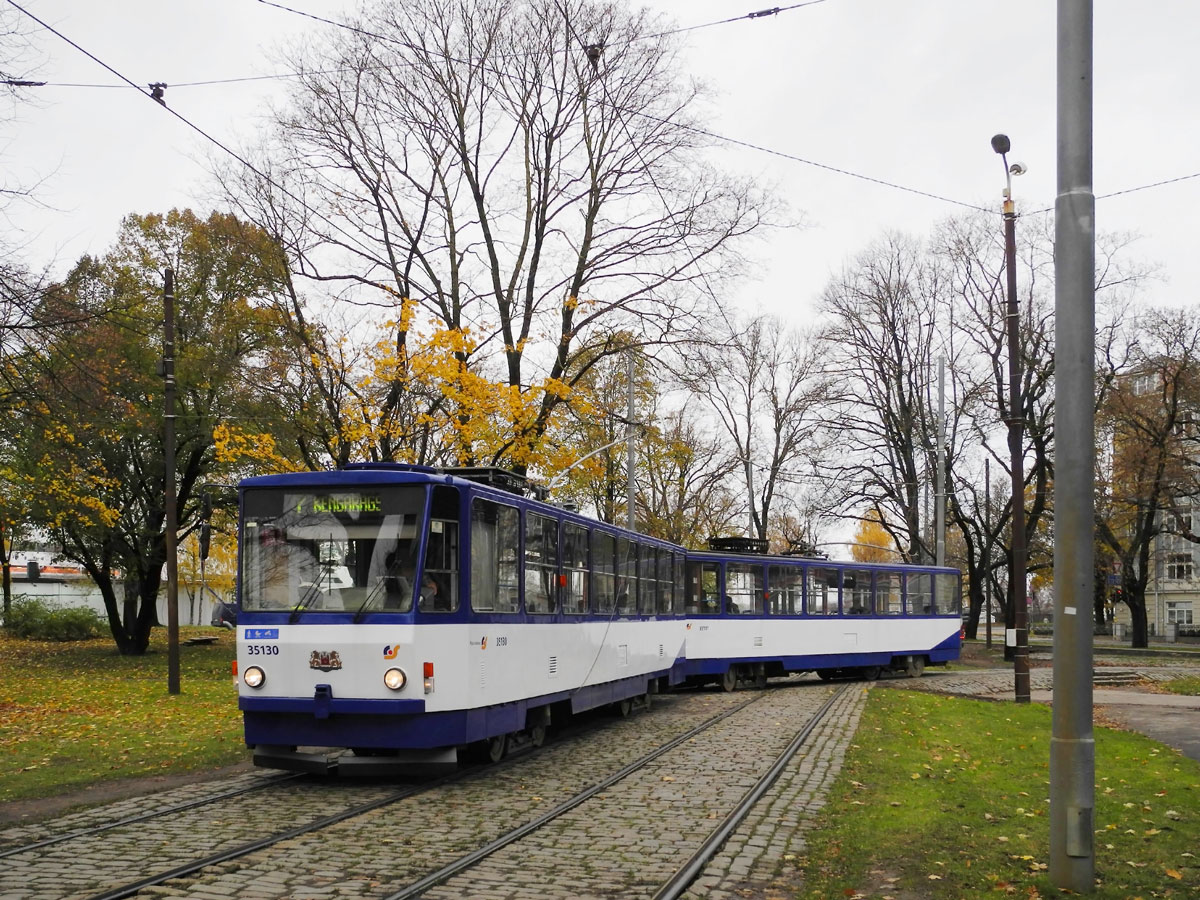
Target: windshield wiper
<point>311,593</point>
<point>371,595</point>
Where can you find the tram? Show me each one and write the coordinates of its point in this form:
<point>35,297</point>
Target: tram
<point>414,615</point>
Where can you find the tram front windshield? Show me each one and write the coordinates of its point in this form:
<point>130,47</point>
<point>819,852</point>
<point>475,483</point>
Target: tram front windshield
<point>336,550</point>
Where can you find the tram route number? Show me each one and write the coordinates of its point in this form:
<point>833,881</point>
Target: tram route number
<point>262,649</point>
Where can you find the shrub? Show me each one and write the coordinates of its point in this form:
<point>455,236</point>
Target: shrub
<point>37,620</point>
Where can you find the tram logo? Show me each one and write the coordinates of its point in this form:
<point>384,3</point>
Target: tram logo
<point>483,645</point>
<point>325,660</point>
<point>391,652</point>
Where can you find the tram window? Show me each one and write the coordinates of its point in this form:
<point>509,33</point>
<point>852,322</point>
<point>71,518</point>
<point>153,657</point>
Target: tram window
<point>495,530</point>
<point>647,579</point>
<point>677,585</point>
<point>604,557</point>
<point>574,569</point>
<point>541,564</point>
<point>856,592</point>
<point>666,586</point>
<point>786,586</point>
<point>439,582</point>
<point>703,589</point>
<point>331,550</point>
<point>822,592</point>
<point>743,588</point>
<point>919,595</point>
<point>887,594</point>
<point>948,593</point>
<point>627,581</point>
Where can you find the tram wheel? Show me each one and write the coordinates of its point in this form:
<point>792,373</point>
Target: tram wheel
<point>825,674</point>
<point>625,707</point>
<point>496,747</point>
<point>915,667</point>
<point>729,680</point>
<point>870,673</point>
<point>760,676</point>
<point>537,735</point>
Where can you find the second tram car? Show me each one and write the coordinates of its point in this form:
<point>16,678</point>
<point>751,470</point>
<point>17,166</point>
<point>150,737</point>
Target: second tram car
<point>408,613</point>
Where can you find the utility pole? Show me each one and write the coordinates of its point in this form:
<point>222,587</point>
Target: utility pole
<point>940,506</point>
<point>1018,610</point>
<point>631,451</point>
<point>172,523</point>
<point>987,543</point>
<point>1072,746</point>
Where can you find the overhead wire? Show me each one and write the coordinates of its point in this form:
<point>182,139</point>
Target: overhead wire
<point>149,92</point>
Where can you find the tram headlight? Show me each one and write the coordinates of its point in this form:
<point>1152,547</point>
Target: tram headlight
<point>395,679</point>
<point>254,677</point>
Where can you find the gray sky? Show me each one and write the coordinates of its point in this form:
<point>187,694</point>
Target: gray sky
<point>903,91</point>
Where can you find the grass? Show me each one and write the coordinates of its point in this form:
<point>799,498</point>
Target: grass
<point>1189,687</point>
<point>73,714</point>
<point>944,798</point>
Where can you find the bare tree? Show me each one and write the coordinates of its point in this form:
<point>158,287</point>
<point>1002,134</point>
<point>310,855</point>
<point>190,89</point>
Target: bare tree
<point>526,172</point>
<point>764,384</point>
<point>880,344</point>
<point>1146,422</point>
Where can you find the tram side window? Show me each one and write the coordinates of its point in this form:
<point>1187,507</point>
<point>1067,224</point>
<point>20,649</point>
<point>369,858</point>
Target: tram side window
<point>677,584</point>
<point>920,597</point>
<point>575,569</point>
<point>439,582</point>
<point>495,533</point>
<point>666,587</point>
<point>647,579</point>
<point>786,584</point>
<point>743,588</point>
<point>856,592</point>
<point>948,593</point>
<point>703,588</point>
<point>627,582</point>
<point>541,564</point>
<point>604,572</point>
<point>887,594</point>
<point>822,592</point>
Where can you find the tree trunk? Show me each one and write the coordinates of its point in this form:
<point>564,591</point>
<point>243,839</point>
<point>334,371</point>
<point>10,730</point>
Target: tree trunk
<point>132,622</point>
<point>1137,614</point>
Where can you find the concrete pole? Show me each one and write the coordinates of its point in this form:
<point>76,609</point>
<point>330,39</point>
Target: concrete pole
<point>1072,747</point>
<point>940,508</point>
<point>172,523</point>
<point>631,452</point>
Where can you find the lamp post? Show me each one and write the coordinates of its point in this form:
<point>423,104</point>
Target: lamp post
<point>1017,619</point>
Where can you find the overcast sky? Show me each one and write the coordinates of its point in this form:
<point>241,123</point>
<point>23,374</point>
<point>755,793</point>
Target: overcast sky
<point>902,91</point>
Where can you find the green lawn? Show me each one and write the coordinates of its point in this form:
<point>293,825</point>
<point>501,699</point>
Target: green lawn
<point>76,713</point>
<point>948,798</point>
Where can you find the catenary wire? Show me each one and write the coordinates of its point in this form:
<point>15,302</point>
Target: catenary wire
<point>353,239</point>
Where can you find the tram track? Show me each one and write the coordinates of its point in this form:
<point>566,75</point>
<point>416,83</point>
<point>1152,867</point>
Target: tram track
<point>677,884</point>
<point>146,816</point>
<point>416,842</point>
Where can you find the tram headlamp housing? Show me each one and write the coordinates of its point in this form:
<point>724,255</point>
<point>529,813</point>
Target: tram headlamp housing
<point>254,677</point>
<point>395,679</point>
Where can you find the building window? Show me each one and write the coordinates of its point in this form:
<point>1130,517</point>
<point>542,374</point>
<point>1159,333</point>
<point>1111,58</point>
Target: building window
<point>1179,613</point>
<point>1179,566</point>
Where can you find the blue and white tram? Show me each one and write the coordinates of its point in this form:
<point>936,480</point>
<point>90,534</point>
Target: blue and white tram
<point>408,612</point>
<point>752,617</point>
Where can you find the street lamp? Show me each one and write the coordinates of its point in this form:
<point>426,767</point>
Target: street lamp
<point>1017,618</point>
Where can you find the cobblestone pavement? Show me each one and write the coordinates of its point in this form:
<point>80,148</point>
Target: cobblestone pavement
<point>624,843</point>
